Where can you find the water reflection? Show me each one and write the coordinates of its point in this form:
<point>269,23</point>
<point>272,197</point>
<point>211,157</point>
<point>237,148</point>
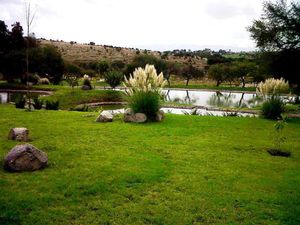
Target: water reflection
<point>213,99</point>
<point>6,97</point>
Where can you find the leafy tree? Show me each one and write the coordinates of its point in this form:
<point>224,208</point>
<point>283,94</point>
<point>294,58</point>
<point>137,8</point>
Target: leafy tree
<point>47,60</point>
<point>143,60</point>
<point>117,65</point>
<point>4,37</point>
<point>279,26</point>
<point>242,70</point>
<point>219,72</point>
<point>103,67</point>
<point>278,33</point>
<point>189,72</point>
<point>17,40</point>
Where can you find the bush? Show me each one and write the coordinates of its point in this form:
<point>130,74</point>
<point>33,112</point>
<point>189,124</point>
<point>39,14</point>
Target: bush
<point>52,105</point>
<point>273,107</point>
<point>20,102</point>
<point>145,102</point>
<point>113,78</point>
<point>87,82</point>
<point>33,78</point>
<point>37,103</point>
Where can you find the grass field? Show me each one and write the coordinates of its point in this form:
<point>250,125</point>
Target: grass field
<point>184,170</point>
<point>69,98</point>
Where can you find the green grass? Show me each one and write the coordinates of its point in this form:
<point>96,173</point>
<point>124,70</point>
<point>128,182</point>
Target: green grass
<point>69,98</point>
<point>184,170</point>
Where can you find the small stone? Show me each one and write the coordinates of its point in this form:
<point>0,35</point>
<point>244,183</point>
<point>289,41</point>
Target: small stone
<point>19,134</point>
<point>105,116</point>
<point>128,111</point>
<point>160,115</point>
<point>25,158</point>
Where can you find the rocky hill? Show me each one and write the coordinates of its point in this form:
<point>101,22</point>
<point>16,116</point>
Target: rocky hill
<point>78,53</point>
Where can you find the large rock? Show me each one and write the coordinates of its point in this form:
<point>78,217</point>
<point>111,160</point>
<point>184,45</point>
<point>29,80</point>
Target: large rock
<point>105,116</point>
<point>25,158</point>
<point>140,118</point>
<point>131,117</point>
<point>19,134</point>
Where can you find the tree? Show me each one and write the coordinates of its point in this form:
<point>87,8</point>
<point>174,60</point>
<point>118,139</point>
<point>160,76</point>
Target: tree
<point>4,37</point>
<point>277,33</point>
<point>29,19</point>
<point>279,26</point>
<point>17,41</point>
<point>242,70</point>
<point>219,72</point>
<point>102,67</point>
<point>190,71</point>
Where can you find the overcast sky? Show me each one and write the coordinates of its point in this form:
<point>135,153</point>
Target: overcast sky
<point>151,24</point>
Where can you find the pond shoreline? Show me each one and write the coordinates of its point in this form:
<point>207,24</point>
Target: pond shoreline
<point>25,91</point>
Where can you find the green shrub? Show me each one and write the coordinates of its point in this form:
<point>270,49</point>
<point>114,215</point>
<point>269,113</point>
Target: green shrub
<point>113,78</point>
<point>145,102</point>
<point>273,107</point>
<point>37,103</point>
<point>20,102</point>
<point>52,105</point>
<point>87,82</point>
<point>33,78</point>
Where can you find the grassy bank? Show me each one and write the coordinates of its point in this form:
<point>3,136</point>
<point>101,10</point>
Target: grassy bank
<point>69,98</point>
<point>184,170</point>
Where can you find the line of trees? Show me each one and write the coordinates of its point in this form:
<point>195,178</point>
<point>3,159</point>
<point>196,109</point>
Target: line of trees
<point>46,61</point>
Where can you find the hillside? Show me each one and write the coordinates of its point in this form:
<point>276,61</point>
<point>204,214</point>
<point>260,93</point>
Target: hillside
<point>78,53</point>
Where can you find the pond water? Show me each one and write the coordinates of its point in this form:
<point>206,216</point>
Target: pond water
<point>199,112</point>
<point>216,98</point>
<point>6,97</point>
<point>213,98</point>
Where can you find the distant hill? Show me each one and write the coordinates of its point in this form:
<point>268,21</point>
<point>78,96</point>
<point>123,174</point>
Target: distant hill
<point>79,53</point>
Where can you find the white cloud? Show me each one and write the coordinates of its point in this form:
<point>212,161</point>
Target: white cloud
<point>141,23</point>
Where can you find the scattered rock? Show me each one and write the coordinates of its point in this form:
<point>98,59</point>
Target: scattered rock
<point>19,134</point>
<point>140,118</point>
<point>25,158</point>
<point>105,116</point>
<point>85,87</point>
<point>160,115</point>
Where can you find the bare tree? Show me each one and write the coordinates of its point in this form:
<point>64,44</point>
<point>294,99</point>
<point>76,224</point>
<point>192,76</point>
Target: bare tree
<point>29,16</point>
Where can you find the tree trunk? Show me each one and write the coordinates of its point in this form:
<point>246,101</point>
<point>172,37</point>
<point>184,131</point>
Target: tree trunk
<point>187,81</point>
<point>243,81</point>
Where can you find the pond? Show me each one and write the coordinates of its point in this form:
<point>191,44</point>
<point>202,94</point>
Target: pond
<point>13,96</point>
<point>213,98</point>
<point>216,98</point>
<point>190,111</point>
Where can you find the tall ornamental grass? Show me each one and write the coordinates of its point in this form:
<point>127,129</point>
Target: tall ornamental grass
<point>144,88</point>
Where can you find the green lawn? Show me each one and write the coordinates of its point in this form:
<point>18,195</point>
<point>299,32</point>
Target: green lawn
<point>69,98</point>
<point>184,170</point>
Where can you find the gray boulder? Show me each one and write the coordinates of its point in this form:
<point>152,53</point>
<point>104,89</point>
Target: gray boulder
<point>19,134</point>
<point>131,117</point>
<point>140,118</point>
<point>105,116</point>
<point>25,158</point>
